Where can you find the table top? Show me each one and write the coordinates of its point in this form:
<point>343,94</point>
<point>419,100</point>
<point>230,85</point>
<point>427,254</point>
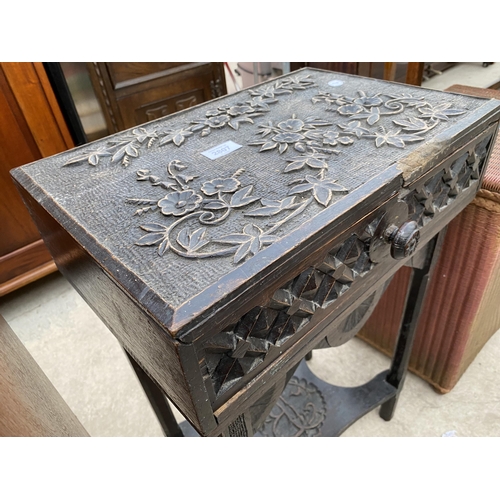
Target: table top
<point>191,211</point>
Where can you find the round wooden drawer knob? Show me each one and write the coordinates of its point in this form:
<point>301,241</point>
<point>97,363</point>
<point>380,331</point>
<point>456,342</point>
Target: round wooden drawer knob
<point>403,240</point>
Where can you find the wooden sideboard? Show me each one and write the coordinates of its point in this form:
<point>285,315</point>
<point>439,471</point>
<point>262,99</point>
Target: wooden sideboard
<point>135,93</point>
<point>31,127</point>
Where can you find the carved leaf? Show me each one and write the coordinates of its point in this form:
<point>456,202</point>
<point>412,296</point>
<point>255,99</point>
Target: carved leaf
<point>317,122</point>
<point>322,195</point>
<point>150,239</point>
<point>264,211</point>
<point>300,188</point>
<point>235,239</point>
<point>268,145</point>
<point>154,228</point>
<point>374,116</point>
<point>242,251</point>
<point>124,151</point>
<point>164,246</point>
<point>316,163</point>
<point>295,165</point>
<point>143,135</point>
<point>192,242</point>
<point>273,207</point>
<point>178,139</point>
<point>242,198</point>
<point>412,124</point>
<point>92,157</point>
<point>198,127</point>
<point>407,138</point>
<point>144,210</point>
<point>235,122</point>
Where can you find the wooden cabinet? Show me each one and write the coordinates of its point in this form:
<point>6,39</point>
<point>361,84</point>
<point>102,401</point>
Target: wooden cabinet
<point>135,93</point>
<point>31,127</point>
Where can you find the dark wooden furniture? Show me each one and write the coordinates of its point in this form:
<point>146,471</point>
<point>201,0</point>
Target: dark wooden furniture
<point>224,243</point>
<point>460,313</point>
<point>134,93</point>
<point>31,127</point>
<point>31,406</point>
<point>411,73</point>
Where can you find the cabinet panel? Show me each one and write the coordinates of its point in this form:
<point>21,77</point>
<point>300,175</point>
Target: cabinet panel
<point>31,127</point>
<point>134,93</point>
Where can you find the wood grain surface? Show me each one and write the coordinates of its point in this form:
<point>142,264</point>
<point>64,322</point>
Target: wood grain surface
<point>30,404</point>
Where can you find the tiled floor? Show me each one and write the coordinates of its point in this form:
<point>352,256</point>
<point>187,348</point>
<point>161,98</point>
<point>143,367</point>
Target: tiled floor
<point>87,366</point>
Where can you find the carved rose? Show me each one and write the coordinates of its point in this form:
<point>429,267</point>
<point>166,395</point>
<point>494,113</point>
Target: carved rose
<point>215,186</point>
<point>180,203</point>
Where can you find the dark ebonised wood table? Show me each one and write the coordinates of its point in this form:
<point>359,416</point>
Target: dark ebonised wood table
<point>224,243</point>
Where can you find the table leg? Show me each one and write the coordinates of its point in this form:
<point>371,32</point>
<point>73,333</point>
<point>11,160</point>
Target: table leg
<point>158,401</point>
<point>414,303</point>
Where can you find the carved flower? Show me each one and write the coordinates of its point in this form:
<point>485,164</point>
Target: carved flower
<point>350,109</point>
<point>239,110</point>
<point>215,186</point>
<point>288,137</point>
<point>368,101</point>
<point>217,121</point>
<point>180,203</point>
<point>291,125</point>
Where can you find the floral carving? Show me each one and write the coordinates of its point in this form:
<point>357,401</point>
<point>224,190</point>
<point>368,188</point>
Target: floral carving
<point>179,203</point>
<point>217,199</point>
<point>322,189</point>
<point>123,149</point>
<point>299,412</point>
<point>305,136</point>
<point>217,186</point>
<point>371,108</point>
<point>302,134</point>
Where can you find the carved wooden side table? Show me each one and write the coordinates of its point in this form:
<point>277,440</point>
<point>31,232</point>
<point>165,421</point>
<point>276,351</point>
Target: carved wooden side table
<point>222,244</point>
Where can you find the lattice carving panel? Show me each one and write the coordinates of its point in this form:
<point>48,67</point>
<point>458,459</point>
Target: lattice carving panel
<point>440,190</point>
<point>238,350</point>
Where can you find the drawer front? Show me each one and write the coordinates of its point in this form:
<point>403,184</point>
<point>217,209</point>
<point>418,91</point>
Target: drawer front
<point>342,287</point>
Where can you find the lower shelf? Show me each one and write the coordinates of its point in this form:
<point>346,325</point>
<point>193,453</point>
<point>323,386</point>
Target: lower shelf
<point>309,407</point>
